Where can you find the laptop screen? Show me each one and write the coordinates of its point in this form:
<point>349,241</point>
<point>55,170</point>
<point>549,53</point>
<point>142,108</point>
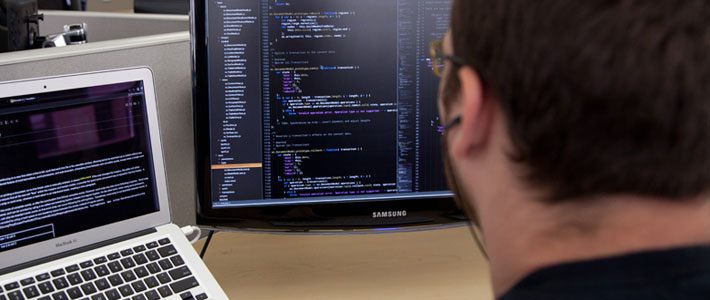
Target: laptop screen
<point>73,160</point>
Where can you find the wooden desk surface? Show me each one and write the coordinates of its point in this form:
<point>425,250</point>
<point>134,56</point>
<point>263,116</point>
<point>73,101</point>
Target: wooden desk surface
<point>436,264</point>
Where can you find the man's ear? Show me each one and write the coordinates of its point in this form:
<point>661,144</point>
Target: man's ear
<point>476,117</point>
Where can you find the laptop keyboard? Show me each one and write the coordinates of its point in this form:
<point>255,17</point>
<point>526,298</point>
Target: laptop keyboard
<point>145,272</point>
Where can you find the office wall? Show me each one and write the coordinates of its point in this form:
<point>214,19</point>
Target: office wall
<point>168,55</point>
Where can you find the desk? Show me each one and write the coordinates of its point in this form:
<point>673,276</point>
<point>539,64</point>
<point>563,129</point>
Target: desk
<point>436,264</point>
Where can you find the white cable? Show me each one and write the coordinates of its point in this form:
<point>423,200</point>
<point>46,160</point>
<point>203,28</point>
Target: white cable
<point>189,230</point>
<point>197,236</point>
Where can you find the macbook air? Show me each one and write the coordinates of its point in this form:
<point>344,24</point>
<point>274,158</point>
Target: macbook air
<point>84,210</point>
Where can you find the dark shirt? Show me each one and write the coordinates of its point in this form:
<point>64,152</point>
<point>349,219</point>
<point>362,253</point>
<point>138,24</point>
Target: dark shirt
<point>676,274</point>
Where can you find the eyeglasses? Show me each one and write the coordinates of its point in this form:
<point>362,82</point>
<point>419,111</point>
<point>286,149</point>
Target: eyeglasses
<point>438,58</point>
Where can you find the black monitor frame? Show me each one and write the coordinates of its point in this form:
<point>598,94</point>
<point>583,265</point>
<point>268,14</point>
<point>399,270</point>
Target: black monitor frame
<point>399,213</point>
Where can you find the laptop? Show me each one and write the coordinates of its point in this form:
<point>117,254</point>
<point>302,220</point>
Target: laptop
<point>84,210</point>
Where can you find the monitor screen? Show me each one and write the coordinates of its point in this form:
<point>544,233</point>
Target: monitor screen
<point>308,107</point>
<point>73,160</point>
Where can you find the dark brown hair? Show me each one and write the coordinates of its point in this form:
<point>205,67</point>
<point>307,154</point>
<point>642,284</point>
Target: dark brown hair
<point>600,96</point>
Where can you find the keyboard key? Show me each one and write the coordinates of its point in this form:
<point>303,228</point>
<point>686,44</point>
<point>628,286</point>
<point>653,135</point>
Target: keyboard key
<point>125,290</point>
<point>140,259</point>
<point>152,295</point>
<point>112,294</point>
<point>102,284</point>
<point>184,284</point>
<point>127,263</point>
<point>152,255</point>
<point>11,286</point>
<point>60,296</point>
<point>164,291</point>
<point>27,281</point>
<point>74,293</point>
<point>31,292</point>
<point>41,298</point>
<point>152,245</point>
<point>99,297</point>
<point>2,297</point>
<point>151,282</point>
<point>164,241</point>
<point>177,260</point>
<point>180,272</point>
<point>126,252</point>
<point>102,271</point>
<point>42,277</point>
<point>153,268</point>
<point>114,266</point>
<point>167,251</point>
<point>45,287</point>
<point>86,264</point>
<point>140,248</point>
<point>139,297</point>
<point>15,295</point>
<point>141,272</point>
<point>115,280</point>
<point>74,278</point>
<point>72,268</point>
<point>88,288</point>
<point>163,278</point>
<point>139,286</point>
<point>88,274</point>
<point>113,256</point>
<point>202,296</point>
<point>186,295</point>
<point>58,272</point>
<point>60,283</point>
<point>165,264</point>
<point>100,260</point>
<point>128,276</point>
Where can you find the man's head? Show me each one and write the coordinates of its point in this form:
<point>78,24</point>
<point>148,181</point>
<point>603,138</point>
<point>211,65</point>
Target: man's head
<point>578,114</point>
<point>598,97</point>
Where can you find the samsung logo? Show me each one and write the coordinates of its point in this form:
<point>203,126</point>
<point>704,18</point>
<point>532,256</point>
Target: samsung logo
<point>389,214</point>
<point>66,243</point>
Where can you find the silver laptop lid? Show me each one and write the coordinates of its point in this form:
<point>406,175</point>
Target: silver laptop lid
<point>80,162</point>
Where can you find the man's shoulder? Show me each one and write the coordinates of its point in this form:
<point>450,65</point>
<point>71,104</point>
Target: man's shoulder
<point>657,274</point>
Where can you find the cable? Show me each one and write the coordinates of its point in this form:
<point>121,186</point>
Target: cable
<point>476,232</point>
<point>189,230</point>
<point>207,242</point>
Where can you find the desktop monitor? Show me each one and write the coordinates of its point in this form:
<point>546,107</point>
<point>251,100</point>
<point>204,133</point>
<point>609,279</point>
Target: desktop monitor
<point>312,114</point>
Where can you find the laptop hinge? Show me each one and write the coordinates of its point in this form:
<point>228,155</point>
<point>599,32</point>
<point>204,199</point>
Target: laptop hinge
<point>76,251</point>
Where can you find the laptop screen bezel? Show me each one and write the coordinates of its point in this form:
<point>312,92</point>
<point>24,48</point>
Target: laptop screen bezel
<point>92,236</point>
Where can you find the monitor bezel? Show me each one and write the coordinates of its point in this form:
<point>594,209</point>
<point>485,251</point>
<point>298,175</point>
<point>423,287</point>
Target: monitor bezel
<point>441,210</point>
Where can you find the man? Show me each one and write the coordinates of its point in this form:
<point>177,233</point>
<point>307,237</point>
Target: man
<point>578,138</point>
